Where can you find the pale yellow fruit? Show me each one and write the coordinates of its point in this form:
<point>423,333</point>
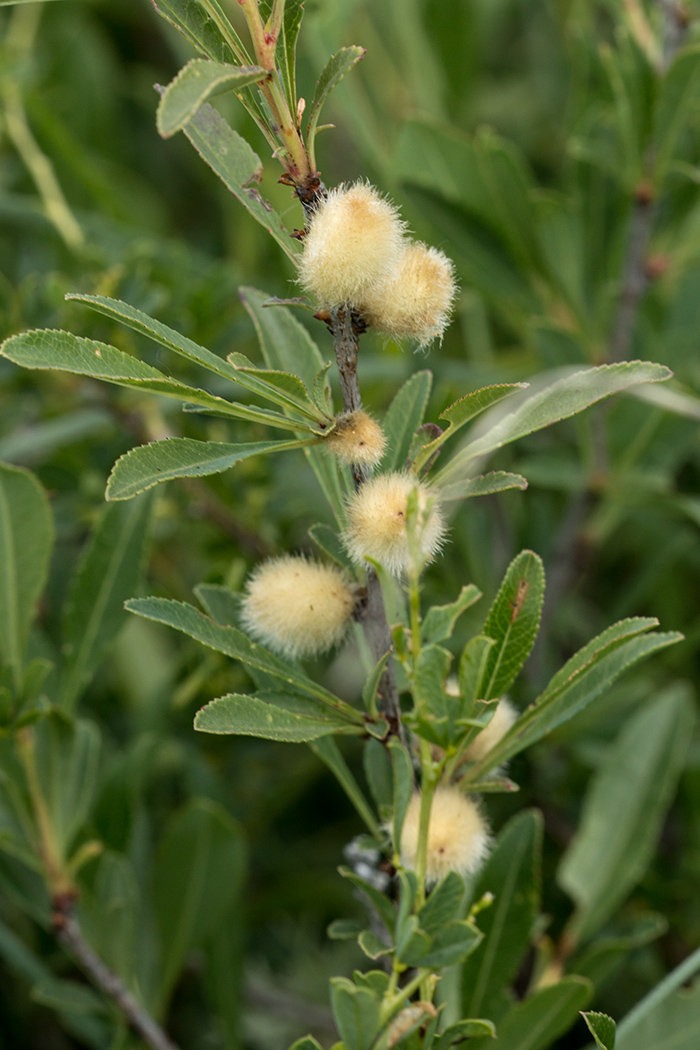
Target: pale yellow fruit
<point>415,300</point>
<point>458,837</point>
<point>497,728</point>
<point>377,522</point>
<point>356,438</point>
<point>355,239</point>
<point>298,607</point>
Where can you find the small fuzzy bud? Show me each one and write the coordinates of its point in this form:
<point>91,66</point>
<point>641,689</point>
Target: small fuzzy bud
<point>416,299</point>
<point>356,438</point>
<point>409,1018</point>
<point>354,240</point>
<point>298,607</point>
<point>458,837</point>
<point>497,728</point>
<point>377,522</point>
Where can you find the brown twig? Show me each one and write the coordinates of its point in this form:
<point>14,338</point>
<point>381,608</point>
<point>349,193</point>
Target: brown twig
<point>636,275</point>
<point>345,329</point>
<point>70,935</point>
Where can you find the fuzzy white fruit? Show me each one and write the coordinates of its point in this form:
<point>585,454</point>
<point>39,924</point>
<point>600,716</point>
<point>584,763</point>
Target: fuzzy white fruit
<point>355,239</point>
<point>415,300</point>
<point>377,522</point>
<point>458,836</point>
<point>298,607</point>
<point>356,438</point>
<point>497,728</point>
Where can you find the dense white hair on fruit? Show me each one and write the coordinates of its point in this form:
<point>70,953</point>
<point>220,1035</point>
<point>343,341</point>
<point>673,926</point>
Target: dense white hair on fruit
<point>298,607</point>
<point>356,438</point>
<point>355,239</point>
<point>415,300</point>
<point>458,836</point>
<point>377,522</point>
<point>494,732</point>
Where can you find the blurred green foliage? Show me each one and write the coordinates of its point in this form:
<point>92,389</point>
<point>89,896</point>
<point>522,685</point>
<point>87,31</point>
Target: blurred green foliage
<point>523,137</point>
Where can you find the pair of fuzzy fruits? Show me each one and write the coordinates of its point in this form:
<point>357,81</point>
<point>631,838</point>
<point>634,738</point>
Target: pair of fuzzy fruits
<point>301,608</point>
<point>356,253</point>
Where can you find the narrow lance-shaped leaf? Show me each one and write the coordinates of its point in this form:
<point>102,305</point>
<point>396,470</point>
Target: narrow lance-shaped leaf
<point>601,1027</point>
<point>462,412</point>
<point>337,66</point>
<point>403,787</point>
<point>236,644</point>
<point>239,168</point>
<point>512,874</point>
<point>623,810</point>
<point>562,399</point>
<point>26,540</point>
<point>246,715</point>
<point>329,752</point>
<point>536,1022</point>
<point>284,388</point>
<point>195,84</point>
<point>483,485</point>
<point>205,26</point>
<point>108,574</point>
<point>669,1016</point>
<point>156,330</point>
<point>148,465</point>
<point>440,621</point>
<point>582,679</point>
<point>71,353</point>
<point>404,416</point>
<point>513,622</point>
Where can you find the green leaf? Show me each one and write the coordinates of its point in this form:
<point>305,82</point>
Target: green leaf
<point>67,761</point>
<point>483,485</point>
<point>284,388</point>
<point>286,49</point>
<point>373,946</point>
<point>440,621</point>
<point>371,686</point>
<point>404,416</point>
<point>443,904</point>
<point>26,541</point>
<point>450,945</point>
<point>246,715</point>
<point>459,1032</point>
<point>601,1027</point>
<point>147,465</point>
<point>356,1013</point>
<point>668,1018</point>
<point>472,669</point>
<point>236,644</point>
<point>581,680</point>
<point>328,540</point>
<point>285,343</point>
<point>239,168</point>
<point>205,26</point>
<point>327,750</point>
<point>71,353</point>
<point>156,330</point>
<point>109,573</point>
<point>513,622</point>
<point>403,787</point>
<point>307,1042</point>
<point>512,875</point>
<point>441,709</point>
<point>382,904</point>
<point>335,69</point>
<point>377,768</point>
<point>344,930</point>
<point>678,96</point>
<point>623,810</point>
<point>462,412</point>
<point>536,1022</point>
<point>195,84</point>
<point>562,399</point>
<point>604,955</point>
<point>221,603</point>
<point>197,877</point>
